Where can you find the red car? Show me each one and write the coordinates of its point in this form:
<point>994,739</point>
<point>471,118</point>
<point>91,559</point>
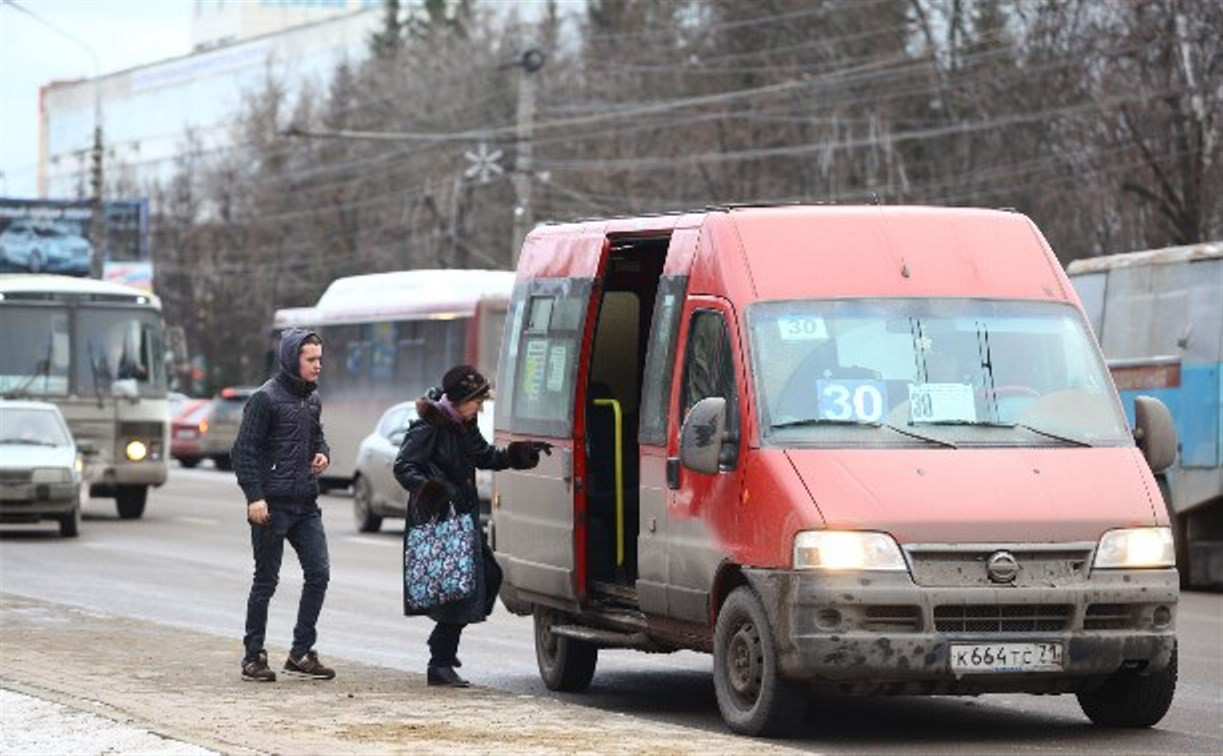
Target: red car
<point>186,430</point>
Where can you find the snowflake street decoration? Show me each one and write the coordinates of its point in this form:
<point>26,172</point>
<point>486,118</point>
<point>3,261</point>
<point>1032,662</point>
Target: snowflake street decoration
<point>484,163</point>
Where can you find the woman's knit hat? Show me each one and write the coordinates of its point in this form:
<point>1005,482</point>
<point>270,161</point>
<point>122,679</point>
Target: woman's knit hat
<point>463,383</point>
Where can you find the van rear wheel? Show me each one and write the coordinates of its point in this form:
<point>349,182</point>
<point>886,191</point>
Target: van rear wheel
<point>752,696</point>
<point>1129,699</point>
<point>565,664</point>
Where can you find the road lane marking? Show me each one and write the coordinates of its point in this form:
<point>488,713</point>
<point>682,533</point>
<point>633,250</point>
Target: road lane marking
<point>375,541</point>
<point>197,520</point>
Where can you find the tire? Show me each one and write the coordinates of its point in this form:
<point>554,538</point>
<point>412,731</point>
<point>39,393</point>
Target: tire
<point>188,462</point>
<point>752,696</point>
<point>223,462</point>
<point>1129,699</point>
<point>565,664</point>
<point>130,501</point>
<point>363,506</point>
<point>70,524</point>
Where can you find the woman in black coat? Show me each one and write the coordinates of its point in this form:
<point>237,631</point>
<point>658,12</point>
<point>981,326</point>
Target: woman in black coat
<point>437,464</point>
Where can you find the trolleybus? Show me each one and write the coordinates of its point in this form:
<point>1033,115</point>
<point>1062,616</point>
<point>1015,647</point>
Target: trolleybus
<point>1159,320</point>
<point>389,337</point>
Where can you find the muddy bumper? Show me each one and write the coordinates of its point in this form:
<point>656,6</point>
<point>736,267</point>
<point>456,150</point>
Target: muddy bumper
<point>884,630</point>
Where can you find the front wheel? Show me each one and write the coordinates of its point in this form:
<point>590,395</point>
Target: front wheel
<point>188,462</point>
<point>752,696</point>
<point>363,506</point>
<point>223,462</point>
<point>565,664</point>
<point>70,524</point>
<point>1129,699</point>
<point>130,501</point>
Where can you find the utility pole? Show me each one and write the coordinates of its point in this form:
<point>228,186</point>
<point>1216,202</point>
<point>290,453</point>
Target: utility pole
<point>524,211</point>
<point>97,223</point>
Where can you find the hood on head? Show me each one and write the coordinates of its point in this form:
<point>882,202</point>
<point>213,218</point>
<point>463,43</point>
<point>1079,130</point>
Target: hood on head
<point>290,347</point>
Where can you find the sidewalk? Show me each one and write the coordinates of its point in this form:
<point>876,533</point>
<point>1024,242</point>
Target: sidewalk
<point>184,686</point>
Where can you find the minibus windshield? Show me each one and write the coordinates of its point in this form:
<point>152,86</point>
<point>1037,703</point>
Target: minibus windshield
<point>930,372</point>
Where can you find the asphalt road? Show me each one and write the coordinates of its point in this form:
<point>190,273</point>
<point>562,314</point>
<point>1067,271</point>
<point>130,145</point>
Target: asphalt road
<point>187,563</point>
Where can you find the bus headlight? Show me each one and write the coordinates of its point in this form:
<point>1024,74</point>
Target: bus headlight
<point>846,550</point>
<point>1130,548</point>
<point>136,450</point>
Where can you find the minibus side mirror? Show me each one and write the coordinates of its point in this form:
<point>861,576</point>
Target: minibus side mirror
<point>701,437</point>
<point>1154,432</point>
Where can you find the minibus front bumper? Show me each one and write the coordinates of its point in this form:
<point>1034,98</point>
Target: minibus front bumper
<point>882,631</point>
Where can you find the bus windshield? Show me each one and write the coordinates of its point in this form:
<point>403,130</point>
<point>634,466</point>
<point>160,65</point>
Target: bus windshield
<point>943,372</point>
<point>52,352</point>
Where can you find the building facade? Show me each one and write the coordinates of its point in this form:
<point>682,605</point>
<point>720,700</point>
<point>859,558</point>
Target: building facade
<point>147,112</point>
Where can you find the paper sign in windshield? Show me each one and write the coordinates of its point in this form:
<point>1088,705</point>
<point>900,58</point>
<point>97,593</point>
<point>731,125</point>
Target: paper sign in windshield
<point>802,328</point>
<point>852,401</point>
<point>941,403</point>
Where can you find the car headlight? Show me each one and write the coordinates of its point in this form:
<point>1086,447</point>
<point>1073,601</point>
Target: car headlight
<point>1130,548</point>
<point>50,475</point>
<point>846,550</point>
<point>136,450</point>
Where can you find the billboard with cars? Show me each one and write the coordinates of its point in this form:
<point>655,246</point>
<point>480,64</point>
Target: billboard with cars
<point>57,236</point>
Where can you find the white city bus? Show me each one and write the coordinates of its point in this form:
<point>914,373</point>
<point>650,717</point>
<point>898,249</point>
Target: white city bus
<point>388,337</point>
<point>97,351</point>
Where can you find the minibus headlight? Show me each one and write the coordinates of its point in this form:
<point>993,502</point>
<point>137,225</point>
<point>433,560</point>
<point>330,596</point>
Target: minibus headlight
<point>1130,548</point>
<point>846,550</point>
<point>136,450</point>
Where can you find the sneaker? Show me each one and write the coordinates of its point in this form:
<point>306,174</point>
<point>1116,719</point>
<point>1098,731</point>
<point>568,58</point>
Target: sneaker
<point>308,667</point>
<point>445,677</point>
<point>256,670</point>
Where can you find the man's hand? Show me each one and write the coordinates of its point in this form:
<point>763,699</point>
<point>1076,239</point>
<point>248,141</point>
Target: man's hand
<point>257,512</point>
<point>319,464</point>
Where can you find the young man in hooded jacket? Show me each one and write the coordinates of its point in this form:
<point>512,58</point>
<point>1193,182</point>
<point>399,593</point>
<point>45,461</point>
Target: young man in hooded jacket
<point>437,464</point>
<point>278,455</point>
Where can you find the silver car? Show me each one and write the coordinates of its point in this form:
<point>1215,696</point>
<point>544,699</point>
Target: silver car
<point>44,248</point>
<point>375,492</point>
<point>40,470</point>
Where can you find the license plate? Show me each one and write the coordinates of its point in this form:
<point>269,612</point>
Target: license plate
<point>1006,657</point>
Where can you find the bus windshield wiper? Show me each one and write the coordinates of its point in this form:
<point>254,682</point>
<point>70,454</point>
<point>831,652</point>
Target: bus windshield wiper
<point>1025,426</point>
<point>863,424</point>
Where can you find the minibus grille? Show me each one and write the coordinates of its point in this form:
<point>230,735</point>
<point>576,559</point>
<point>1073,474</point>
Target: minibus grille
<point>892,619</point>
<point>1108,617</point>
<point>1002,618</point>
<point>955,567</point>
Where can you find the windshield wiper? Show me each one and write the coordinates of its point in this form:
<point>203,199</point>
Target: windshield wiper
<point>822,421</point>
<point>26,442</point>
<point>862,424</point>
<point>1025,426</point>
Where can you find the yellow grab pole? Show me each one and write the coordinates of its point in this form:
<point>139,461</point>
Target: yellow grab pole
<point>615,406</point>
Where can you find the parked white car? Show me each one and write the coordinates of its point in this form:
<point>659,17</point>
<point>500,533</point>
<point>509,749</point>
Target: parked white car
<point>375,492</point>
<point>40,470</point>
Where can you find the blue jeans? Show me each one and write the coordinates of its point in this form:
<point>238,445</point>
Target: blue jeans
<point>302,526</point>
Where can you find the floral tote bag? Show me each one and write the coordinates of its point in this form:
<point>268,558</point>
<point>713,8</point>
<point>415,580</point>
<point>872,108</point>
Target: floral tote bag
<point>439,563</point>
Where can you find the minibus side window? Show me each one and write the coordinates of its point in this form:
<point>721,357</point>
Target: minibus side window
<point>545,368</point>
<point>709,369</point>
<point>660,358</point>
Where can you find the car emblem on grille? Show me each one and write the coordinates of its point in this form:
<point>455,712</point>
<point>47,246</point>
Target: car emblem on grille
<point>1002,567</point>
